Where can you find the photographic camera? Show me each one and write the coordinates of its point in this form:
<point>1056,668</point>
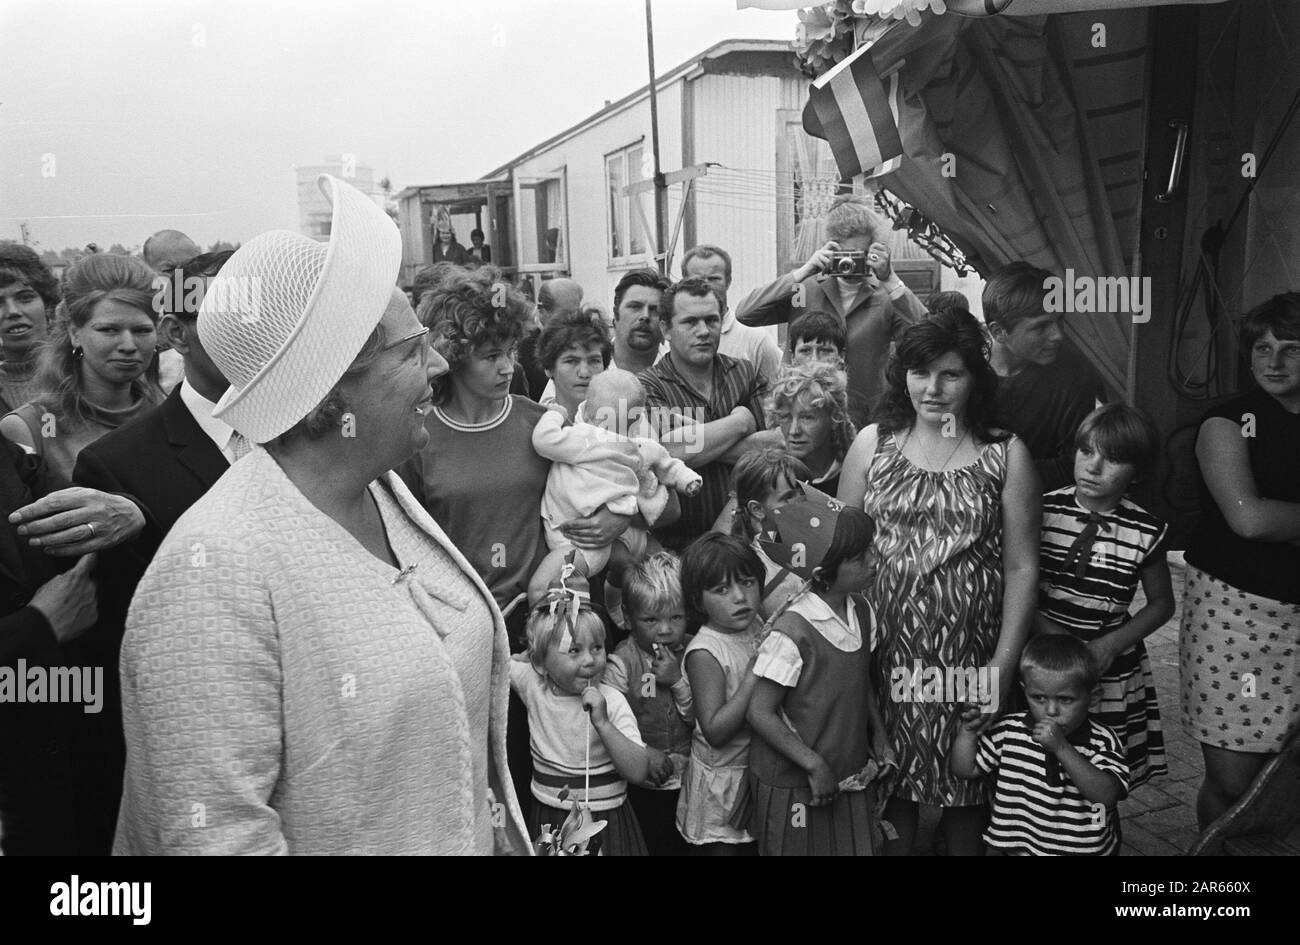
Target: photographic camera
<point>848,264</point>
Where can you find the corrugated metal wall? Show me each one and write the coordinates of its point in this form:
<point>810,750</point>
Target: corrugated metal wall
<point>736,204</point>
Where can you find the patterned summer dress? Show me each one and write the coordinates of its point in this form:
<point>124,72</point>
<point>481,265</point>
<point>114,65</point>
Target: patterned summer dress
<point>938,601</point>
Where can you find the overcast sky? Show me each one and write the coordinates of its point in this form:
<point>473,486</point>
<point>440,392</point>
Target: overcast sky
<point>121,117</point>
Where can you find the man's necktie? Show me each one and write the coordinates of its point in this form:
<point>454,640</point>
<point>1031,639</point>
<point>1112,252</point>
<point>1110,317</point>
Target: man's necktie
<point>1081,550</point>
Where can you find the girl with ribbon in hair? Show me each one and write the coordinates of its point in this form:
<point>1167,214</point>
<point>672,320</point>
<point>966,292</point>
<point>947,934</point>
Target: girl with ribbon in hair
<point>1097,544</point>
<point>584,738</point>
<point>815,717</point>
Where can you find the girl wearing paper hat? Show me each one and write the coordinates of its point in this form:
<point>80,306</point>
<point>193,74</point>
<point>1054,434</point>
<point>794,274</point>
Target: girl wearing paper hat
<point>310,666</point>
<point>817,724</point>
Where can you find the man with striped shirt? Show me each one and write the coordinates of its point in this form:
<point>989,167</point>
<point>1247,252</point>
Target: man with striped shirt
<point>709,408</point>
<point>1056,774</point>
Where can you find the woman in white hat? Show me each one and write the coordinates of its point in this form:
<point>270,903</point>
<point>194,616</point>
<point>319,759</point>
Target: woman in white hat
<point>310,666</point>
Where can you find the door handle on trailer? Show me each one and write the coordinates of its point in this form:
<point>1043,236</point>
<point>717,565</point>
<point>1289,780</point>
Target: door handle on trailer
<point>1176,166</point>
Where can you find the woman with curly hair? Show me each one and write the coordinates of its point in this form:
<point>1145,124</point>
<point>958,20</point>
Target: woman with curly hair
<point>92,368</point>
<point>28,294</point>
<point>810,406</point>
<point>479,476</point>
<point>957,508</point>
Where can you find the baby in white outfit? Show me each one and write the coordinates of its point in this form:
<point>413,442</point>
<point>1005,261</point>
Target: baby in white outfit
<point>607,456</point>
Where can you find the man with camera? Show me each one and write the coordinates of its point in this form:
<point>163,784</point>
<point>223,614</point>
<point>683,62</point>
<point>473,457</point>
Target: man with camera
<point>850,277</point>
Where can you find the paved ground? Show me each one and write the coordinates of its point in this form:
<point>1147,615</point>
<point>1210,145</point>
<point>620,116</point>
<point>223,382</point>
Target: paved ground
<point>1159,818</point>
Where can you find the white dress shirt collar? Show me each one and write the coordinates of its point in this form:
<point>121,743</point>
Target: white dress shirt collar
<point>218,431</point>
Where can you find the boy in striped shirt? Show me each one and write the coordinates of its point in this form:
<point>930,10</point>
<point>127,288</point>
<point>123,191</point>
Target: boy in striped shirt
<point>1057,774</point>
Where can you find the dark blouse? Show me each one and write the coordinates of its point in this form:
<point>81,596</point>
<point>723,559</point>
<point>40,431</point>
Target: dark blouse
<point>1267,568</point>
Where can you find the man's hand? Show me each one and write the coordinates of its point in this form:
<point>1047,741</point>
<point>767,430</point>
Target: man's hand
<point>76,521</point>
<point>817,262</point>
<point>68,601</point>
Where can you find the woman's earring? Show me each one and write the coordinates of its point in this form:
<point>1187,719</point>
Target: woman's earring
<point>78,352</point>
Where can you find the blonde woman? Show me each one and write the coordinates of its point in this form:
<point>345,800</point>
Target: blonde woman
<point>92,368</point>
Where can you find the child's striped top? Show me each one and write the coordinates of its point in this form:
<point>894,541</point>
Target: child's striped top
<point>1037,809</point>
<point>558,729</point>
<point>1097,601</point>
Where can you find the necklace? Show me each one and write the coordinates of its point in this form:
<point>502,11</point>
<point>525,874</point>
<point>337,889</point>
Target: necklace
<point>929,460</point>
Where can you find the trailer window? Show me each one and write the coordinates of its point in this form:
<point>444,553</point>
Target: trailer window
<point>628,213</point>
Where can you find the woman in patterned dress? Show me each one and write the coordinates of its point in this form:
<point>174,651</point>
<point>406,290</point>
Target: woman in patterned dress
<point>957,506</point>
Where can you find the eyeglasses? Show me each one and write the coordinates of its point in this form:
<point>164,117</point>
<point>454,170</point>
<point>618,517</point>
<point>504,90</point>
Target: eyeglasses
<point>424,347</point>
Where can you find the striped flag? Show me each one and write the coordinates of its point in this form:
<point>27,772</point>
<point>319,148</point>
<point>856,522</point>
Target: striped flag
<point>856,112</point>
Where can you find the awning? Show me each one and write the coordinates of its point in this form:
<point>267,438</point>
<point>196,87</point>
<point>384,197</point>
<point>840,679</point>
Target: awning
<point>975,7</point>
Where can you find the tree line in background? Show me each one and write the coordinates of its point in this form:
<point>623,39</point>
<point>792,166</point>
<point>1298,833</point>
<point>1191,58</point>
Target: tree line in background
<point>71,254</point>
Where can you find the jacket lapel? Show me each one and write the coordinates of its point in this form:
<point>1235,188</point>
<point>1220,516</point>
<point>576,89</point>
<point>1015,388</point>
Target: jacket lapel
<point>194,449</point>
<point>515,833</point>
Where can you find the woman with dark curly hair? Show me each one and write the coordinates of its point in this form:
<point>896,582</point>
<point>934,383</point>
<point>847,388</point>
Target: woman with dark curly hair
<point>479,476</point>
<point>28,294</point>
<point>91,374</point>
<point>957,508</point>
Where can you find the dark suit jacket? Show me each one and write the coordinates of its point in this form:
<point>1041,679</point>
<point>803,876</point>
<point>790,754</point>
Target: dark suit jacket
<point>165,462</point>
<point>36,773</point>
<point>871,324</point>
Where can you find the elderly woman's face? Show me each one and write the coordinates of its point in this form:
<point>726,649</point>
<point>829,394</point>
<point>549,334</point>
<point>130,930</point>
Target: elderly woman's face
<point>807,429</point>
<point>392,395</point>
<point>574,369</point>
<point>487,373</point>
<point>940,389</point>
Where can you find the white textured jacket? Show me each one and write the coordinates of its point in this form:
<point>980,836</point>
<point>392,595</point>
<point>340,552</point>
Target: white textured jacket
<point>284,691</point>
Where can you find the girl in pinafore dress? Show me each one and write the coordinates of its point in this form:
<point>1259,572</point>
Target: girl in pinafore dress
<point>814,713</point>
<point>1096,546</point>
<point>721,580</point>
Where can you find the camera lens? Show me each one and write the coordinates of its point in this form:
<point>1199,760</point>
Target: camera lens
<point>844,267</point>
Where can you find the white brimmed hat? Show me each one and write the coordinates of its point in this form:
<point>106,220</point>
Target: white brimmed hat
<point>286,315</point>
